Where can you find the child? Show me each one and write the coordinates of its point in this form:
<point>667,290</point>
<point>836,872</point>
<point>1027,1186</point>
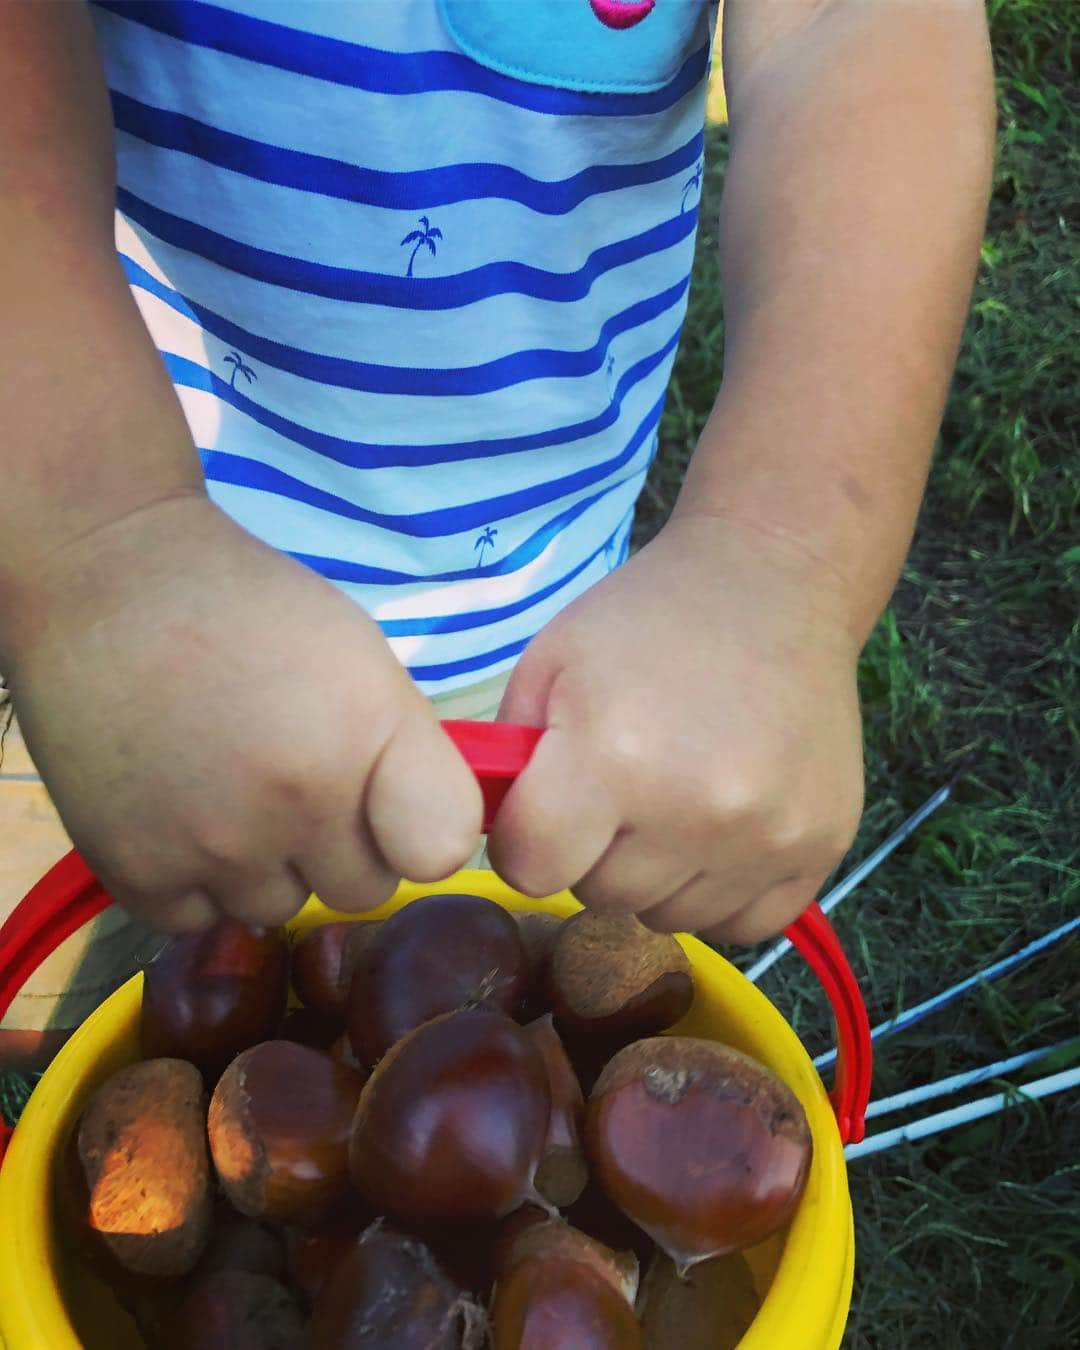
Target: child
<point>358,408</point>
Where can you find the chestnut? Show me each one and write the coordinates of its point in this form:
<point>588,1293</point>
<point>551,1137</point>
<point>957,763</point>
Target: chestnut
<point>279,1127</point>
<point>710,1308</point>
<point>552,1239</point>
<point>388,1293</point>
<point>314,1249</point>
<point>562,1173</point>
<point>323,962</point>
<point>612,980</point>
<point>451,1125</point>
<point>703,1147</point>
<point>141,1146</point>
<point>208,996</point>
<point>233,1310</point>
<point>538,932</point>
<point>436,955</point>
<point>558,1288</point>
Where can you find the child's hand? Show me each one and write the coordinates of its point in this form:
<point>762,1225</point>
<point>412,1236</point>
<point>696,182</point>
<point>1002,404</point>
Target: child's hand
<point>702,763</point>
<point>223,731</point>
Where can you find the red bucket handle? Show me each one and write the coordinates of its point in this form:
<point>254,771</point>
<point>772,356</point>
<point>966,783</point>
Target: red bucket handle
<point>69,895</point>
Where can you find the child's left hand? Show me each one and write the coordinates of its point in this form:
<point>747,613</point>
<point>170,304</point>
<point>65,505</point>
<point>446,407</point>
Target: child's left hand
<point>702,759</point>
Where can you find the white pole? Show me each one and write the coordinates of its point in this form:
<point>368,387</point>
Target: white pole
<point>843,889</point>
<point>964,1115</point>
<point>954,991</point>
<point>945,1087</point>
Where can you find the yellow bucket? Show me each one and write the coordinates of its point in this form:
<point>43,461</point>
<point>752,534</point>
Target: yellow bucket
<point>48,1301</point>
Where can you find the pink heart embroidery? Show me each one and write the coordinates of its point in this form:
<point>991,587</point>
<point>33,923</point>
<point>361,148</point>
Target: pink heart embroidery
<point>619,15</point>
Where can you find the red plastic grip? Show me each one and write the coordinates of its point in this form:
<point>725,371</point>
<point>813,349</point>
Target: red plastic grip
<point>69,895</point>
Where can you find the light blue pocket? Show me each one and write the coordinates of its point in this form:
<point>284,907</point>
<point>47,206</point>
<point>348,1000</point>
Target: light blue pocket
<point>562,43</point>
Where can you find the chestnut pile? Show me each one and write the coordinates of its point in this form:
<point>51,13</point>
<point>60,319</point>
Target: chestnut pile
<point>470,1133</point>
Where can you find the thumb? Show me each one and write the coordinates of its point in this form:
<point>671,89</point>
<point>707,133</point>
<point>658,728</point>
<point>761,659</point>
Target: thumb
<point>422,802</point>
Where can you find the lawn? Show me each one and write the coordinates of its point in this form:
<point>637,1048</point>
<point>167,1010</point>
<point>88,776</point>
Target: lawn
<point>971,1239</point>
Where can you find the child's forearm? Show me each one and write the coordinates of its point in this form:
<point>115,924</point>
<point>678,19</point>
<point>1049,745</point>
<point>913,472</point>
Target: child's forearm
<point>862,141</point>
<point>90,428</point>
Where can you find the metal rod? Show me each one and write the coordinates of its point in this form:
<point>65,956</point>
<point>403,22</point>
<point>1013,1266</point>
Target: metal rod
<point>954,991</point>
<point>945,1087</point>
<point>964,1115</point>
<point>843,889</point>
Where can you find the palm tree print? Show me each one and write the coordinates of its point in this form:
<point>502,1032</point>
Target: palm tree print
<point>235,360</point>
<point>419,238</point>
<point>486,540</point>
<point>693,183</point>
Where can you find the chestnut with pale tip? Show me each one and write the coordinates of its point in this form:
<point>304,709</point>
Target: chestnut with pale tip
<point>557,1288</point>
<point>208,996</point>
<point>141,1146</point>
<point>562,1173</point>
<point>279,1126</point>
<point>703,1147</point>
<point>436,955</point>
<point>612,979</point>
<point>450,1127</point>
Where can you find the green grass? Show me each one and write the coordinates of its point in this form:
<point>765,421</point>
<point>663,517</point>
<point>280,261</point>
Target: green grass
<point>972,1239</point>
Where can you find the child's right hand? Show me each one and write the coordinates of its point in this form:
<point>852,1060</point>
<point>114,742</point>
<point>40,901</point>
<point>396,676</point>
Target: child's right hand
<point>223,732</point>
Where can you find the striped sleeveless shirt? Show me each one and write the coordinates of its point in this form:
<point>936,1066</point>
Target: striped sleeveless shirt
<point>417,269</point>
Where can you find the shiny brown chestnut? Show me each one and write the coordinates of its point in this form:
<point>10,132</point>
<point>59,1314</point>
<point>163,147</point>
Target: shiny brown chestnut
<point>314,1249</point>
<point>141,1145</point>
<point>451,1125</point>
<point>436,955</point>
<point>553,1239</point>
<point>279,1126</point>
<point>388,1293</point>
<point>208,996</point>
<point>548,1305</point>
<point>612,980</point>
<point>323,962</point>
<point>710,1308</point>
<point>703,1147</point>
<point>562,1173</point>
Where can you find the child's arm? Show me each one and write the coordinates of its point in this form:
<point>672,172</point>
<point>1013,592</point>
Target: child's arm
<point>706,760</point>
<point>218,726</point>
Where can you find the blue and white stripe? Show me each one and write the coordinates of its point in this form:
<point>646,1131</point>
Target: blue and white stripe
<point>420,314</point>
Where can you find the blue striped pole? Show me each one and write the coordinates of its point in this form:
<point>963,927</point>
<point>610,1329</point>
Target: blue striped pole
<point>945,1087</point>
<point>955,991</point>
<point>964,1115</point>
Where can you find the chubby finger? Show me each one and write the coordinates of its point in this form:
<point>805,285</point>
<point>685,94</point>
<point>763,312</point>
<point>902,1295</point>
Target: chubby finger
<point>766,915</point>
<point>422,804</point>
<point>190,911</point>
<point>261,899</point>
<point>342,866</point>
<point>631,878</point>
<point>555,823</point>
